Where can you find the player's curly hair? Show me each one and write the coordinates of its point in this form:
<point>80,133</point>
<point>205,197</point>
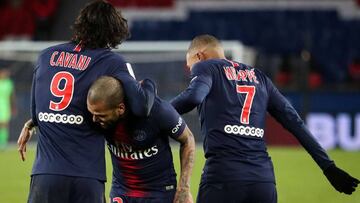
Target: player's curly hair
<point>100,25</point>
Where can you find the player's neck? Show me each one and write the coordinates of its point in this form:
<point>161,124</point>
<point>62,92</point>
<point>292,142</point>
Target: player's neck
<point>216,54</point>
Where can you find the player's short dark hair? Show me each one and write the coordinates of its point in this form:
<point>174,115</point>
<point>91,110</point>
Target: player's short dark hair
<point>203,40</point>
<point>100,25</point>
<point>108,90</point>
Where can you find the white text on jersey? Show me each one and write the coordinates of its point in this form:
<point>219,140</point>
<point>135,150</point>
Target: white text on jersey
<point>240,75</point>
<point>60,118</point>
<point>242,130</point>
<point>69,60</point>
<point>124,151</point>
<point>177,127</point>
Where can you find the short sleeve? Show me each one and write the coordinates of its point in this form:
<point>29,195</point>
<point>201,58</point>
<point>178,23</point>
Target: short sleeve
<point>170,121</point>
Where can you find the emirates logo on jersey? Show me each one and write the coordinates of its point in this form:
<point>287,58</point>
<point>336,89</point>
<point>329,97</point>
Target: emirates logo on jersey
<point>127,152</point>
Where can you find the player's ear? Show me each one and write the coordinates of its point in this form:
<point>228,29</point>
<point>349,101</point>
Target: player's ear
<point>198,56</point>
<point>121,109</point>
<point>201,56</point>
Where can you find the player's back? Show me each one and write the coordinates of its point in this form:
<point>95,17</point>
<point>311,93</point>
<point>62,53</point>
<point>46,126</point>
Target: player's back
<point>68,145</point>
<point>232,121</point>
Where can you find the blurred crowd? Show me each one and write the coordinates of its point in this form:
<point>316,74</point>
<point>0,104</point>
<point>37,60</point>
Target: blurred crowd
<point>302,50</point>
<point>292,46</point>
<point>26,19</point>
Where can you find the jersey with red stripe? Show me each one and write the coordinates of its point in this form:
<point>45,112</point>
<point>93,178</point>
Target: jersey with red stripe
<point>141,154</point>
<point>233,100</point>
<point>67,143</point>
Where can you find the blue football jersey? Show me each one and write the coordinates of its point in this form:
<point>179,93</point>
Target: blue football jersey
<point>68,144</point>
<point>233,100</point>
<point>141,154</point>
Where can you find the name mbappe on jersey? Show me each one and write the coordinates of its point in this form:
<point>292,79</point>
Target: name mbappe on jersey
<point>232,118</point>
<point>240,75</point>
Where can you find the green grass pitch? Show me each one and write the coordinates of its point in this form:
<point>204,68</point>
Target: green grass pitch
<point>299,180</point>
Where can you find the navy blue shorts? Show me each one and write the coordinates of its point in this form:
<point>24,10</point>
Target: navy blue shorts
<point>167,198</point>
<point>65,189</point>
<point>235,192</point>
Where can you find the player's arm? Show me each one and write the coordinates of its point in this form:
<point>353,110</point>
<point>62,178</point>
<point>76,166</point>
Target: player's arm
<point>280,108</point>
<point>187,158</point>
<point>173,125</point>
<point>140,97</point>
<point>26,133</point>
<point>32,99</point>
<point>196,92</point>
<point>29,127</point>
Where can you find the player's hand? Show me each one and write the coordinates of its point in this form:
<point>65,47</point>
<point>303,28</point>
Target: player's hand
<point>27,131</point>
<point>183,196</point>
<point>150,90</point>
<point>149,85</point>
<point>341,180</point>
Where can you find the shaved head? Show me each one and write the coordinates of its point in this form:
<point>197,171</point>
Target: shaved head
<point>204,41</point>
<point>204,47</point>
<point>107,90</point>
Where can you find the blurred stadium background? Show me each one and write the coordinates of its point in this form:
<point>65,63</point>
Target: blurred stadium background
<point>309,48</point>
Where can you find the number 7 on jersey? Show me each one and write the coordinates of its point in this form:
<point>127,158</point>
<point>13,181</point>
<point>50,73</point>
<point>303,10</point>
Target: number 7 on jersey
<point>250,93</point>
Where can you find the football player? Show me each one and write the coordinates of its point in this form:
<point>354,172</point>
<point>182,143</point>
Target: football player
<point>232,100</point>
<point>70,162</point>
<point>143,169</point>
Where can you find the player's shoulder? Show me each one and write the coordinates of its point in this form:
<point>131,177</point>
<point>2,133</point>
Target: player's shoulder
<point>245,66</point>
<point>210,62</point>
<point>56,47</point>
<point>113,57</point>
<point>256,70</point>
<point>106,58</point>
<point>166,117</point>
<point>105,54</point>
<point>161,108</point>
<point>160,105</point>
<point>206,66</point>
<point>70,47</point>
<point>116,56</point>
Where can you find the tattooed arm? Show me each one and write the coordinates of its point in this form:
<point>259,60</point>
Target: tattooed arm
<point>187,158</point>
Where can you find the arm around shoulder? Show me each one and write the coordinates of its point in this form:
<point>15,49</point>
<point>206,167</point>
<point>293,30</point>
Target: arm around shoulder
<point>140,96</point>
